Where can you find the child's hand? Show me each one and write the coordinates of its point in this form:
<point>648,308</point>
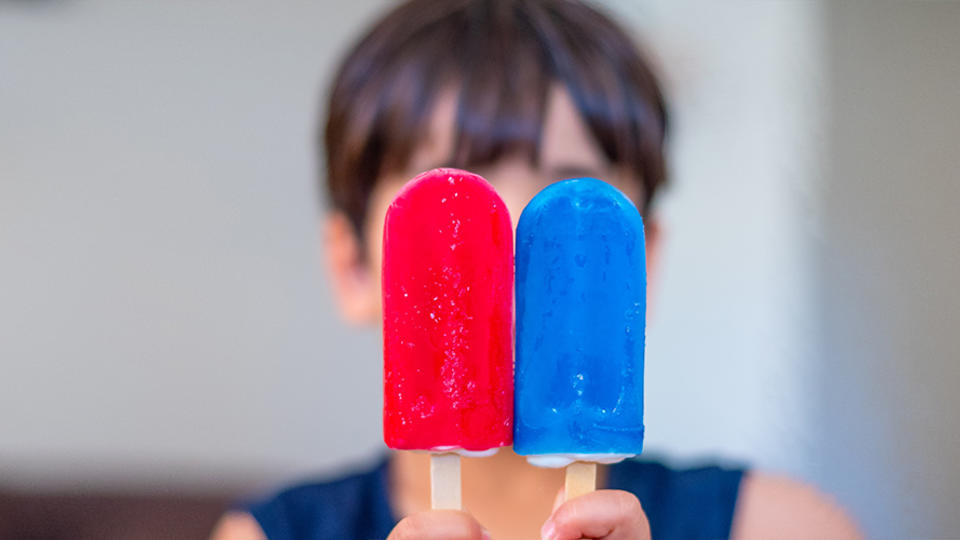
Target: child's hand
<point>439,525</point>
<point>608,514</point>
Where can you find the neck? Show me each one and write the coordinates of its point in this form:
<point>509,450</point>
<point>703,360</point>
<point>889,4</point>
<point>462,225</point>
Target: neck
<point>504,477</point>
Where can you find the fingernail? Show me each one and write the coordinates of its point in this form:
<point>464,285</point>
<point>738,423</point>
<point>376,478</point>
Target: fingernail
<point>485,534</point>
<point>548,530</point>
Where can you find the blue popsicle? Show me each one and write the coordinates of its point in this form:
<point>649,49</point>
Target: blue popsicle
<point>581,320</point>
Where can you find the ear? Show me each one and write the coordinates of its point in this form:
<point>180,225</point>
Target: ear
<point>653,238</point>
<point>353,282</point>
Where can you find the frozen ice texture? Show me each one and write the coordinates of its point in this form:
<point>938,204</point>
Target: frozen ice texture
<point>448,315</point>
<point>581,320</point>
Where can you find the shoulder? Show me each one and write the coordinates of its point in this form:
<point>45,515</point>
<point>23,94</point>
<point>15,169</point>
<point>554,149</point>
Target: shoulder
<point>325,508</point>
<point>774,506</point>
<point>237,525</point>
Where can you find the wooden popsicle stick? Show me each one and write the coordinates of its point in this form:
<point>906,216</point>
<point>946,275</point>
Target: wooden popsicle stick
<point>445,481</point>
<point>581,479</point>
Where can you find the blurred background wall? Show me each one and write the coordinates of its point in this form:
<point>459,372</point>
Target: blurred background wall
<point>888,267</point>
<point>165,323</point>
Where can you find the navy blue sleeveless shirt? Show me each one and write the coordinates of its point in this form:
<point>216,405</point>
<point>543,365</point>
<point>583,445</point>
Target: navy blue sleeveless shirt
<point>682,504</point>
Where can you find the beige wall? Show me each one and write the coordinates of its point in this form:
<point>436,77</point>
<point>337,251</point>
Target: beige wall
<point>888,265</point>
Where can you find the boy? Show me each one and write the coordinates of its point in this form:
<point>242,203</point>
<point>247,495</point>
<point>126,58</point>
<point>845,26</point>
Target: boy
<point>523,92</point>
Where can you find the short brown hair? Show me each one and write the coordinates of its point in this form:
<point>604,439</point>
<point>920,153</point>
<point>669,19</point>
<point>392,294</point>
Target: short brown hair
<point>503,55</point>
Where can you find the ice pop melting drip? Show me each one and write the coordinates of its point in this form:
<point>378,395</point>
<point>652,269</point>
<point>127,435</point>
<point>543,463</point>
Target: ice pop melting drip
<point>581,319</point>
<point>448,315</point>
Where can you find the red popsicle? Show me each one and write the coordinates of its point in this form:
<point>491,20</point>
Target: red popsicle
<point>448,315</point>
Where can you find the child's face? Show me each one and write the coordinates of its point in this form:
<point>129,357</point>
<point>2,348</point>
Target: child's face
<point>568,150</point>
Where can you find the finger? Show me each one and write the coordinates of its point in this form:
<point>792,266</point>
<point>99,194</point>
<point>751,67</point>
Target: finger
<point>607,514</point>
<point>439,525</point>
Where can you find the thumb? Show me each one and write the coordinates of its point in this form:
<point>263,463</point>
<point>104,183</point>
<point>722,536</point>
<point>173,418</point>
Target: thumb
<point>439,525</point>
